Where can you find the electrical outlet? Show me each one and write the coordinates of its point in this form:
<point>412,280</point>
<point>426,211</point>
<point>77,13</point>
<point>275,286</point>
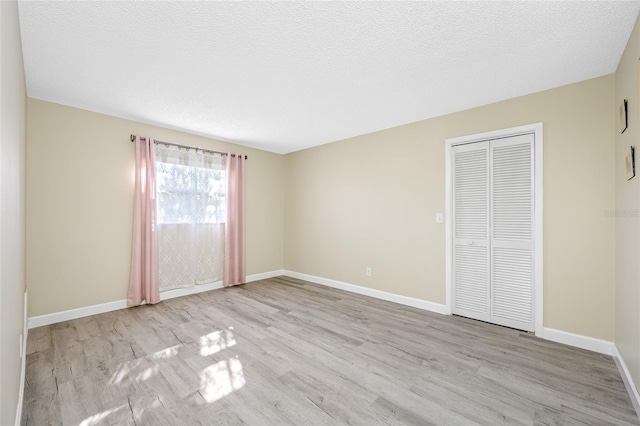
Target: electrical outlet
<point>367,271</point>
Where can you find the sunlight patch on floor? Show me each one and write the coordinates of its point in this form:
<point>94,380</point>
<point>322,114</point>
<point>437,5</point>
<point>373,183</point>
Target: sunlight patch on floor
<point>216,381</point>
<point>98,418</point>
<point>167,352</point>
<point>127,370</point>
<point>147,373</point>
<point>216,341</point>
<point>123,372</point>
<point>221,379</point>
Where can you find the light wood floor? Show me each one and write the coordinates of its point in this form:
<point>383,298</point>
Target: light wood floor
<point>284,351</point>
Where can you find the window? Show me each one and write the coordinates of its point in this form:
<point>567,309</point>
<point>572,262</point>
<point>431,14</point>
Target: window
<point>191,210</point>
<point>189,194</point>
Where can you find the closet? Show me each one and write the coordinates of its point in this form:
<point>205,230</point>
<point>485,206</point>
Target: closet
<point>493,238</point>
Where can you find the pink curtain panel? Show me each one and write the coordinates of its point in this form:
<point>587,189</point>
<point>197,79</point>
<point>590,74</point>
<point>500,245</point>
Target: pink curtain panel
<point>234,262</point>
<point>143,278</point>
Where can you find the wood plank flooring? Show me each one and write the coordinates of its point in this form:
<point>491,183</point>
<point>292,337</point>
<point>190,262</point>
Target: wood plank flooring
<point>287,352</point>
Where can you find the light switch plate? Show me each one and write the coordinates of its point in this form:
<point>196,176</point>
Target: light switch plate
<point>439,218</point>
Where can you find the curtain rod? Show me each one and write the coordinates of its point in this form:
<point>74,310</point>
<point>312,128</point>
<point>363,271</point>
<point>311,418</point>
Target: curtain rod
<point>133,138</point>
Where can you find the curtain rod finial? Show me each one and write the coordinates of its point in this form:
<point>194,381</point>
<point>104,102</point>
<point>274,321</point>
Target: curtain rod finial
<point>133,137</point>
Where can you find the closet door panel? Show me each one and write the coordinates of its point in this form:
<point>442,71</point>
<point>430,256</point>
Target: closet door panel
<point>471,236</point>
<point>512,232</point>
<point>512,288</point>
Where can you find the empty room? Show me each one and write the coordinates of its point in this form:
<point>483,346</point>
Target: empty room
<point>319,213</point>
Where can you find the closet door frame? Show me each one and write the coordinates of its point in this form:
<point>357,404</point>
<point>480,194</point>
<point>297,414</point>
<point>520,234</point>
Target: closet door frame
<point>536,130</point>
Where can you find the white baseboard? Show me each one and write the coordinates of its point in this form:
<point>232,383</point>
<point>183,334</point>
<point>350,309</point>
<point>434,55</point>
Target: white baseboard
<point>265,275</point>
<point>378,294</point>
<point>71,314</point>
<point>200,288</point>
<point>23,362</point>
<point>627,379</point>
<point>102,308</point>
<point>578,340</point>
<point>571,339</point>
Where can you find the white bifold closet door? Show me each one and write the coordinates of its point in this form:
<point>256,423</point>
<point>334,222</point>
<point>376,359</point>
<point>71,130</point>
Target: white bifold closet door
<point>493,242</point>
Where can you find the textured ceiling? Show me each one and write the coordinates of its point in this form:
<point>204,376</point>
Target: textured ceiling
<point>284,76</point>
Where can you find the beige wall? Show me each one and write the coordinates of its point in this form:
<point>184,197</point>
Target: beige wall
<point>371,201</point>
<point>12,209</point>
<point>627,291</point>
<point>368,201</point>
<point>80,197</point>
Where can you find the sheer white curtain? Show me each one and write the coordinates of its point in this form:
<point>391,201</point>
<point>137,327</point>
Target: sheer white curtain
<point>191,203</point>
